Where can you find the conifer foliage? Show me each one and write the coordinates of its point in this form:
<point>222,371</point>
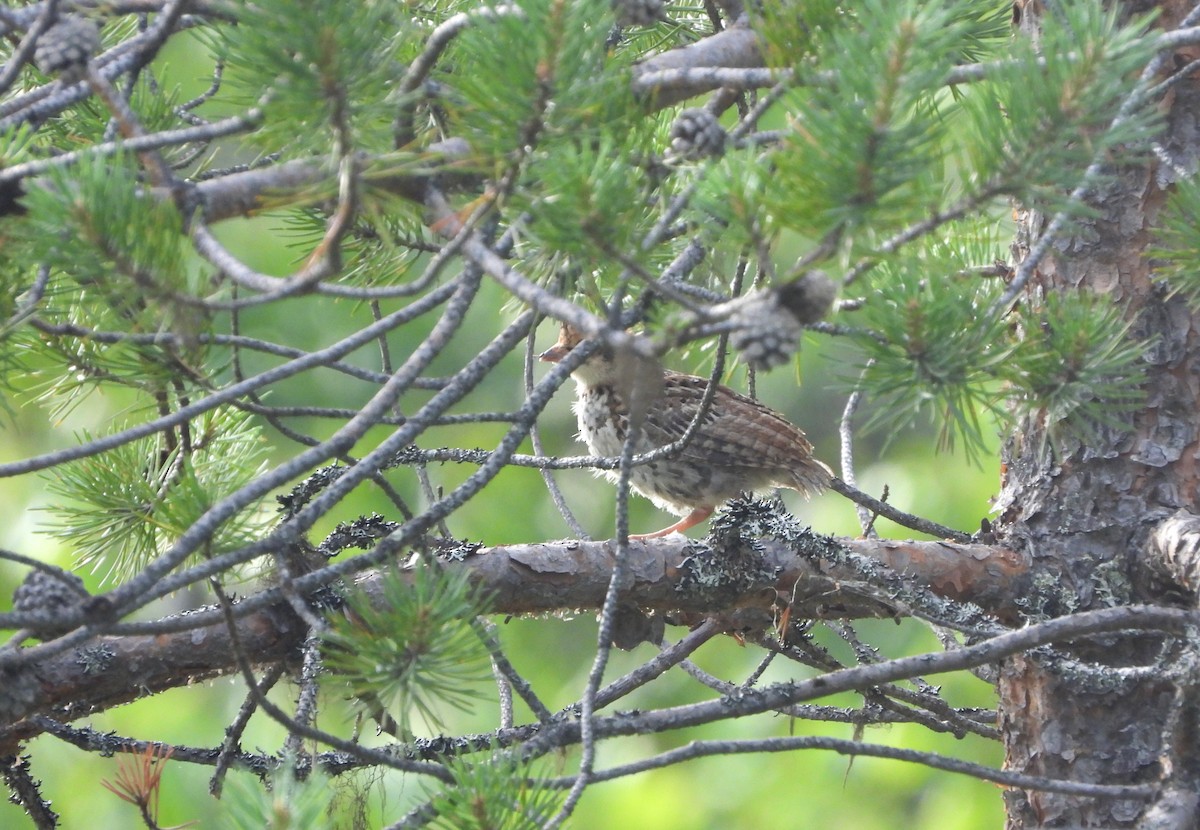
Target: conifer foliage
<point>271,280</point>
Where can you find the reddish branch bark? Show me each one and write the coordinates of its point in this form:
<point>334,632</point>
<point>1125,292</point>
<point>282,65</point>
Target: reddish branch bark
<point>816,577</point>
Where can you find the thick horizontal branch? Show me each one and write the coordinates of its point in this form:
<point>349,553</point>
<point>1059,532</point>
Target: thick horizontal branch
<point>814,576</point>
<point>110,671</point>
<point>737,47</point>
<point>402,173</point>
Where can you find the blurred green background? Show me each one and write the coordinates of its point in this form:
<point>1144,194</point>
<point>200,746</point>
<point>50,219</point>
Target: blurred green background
<point>803,789</point>
<point>812,789</point>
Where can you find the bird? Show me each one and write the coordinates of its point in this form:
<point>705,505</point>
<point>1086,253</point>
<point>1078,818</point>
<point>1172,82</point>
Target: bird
<point>740,445</point>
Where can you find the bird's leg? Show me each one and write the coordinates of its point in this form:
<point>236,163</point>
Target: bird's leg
<point>690,520</point>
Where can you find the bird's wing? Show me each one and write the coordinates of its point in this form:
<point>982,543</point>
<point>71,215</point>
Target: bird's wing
<point>736,431</point>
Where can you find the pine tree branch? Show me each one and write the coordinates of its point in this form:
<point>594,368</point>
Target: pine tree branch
<point>819,582</point>
<point>702,749</point>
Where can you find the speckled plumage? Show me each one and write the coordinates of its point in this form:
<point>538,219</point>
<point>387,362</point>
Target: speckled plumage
<point>740,446</point>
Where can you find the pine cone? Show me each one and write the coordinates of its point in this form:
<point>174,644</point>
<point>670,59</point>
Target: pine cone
<point>697,134</point>
<point>67,46</point>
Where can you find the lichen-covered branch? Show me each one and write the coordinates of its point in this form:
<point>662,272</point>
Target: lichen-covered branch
<point>805,576</point>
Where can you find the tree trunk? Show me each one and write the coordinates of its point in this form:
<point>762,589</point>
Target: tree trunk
<point>1084,513</point>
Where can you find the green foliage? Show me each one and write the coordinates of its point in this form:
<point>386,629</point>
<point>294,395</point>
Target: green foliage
<point>15,148</point>
<point>1076,364</point>
<point>95,223</point>
<point>317,65</point>
<point>287,804</point>
<point>871,139</point>
<point>734,191</point>
<point>937,347</point>
<point>543,72</point>
<point>121,250</point>
<point>96,205</point>
<point>590,201</point>
<point>547,109</point>
<point>795,32</point>
<point>1041,117</point>
<point>984,27</point>
<point>414,649</point>
<point>865,146</point>
<point>383,247</point>
<point>932,349</point>
<point>1178,241</point>
<point>875,146</point>
<point>497,794</point>
<point>122,508</point>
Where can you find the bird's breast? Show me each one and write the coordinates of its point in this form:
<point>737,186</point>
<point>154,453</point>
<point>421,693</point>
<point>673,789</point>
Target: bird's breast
<point>603,420</point>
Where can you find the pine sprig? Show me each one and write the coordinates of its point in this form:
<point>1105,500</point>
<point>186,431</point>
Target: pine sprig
<point>589,199</point>
<point>1041,116</point>
<point>551,63</point>
<point>931,353</point>
<point>95,223</point>
<point>1075,364</point>
<point>120,509</point>
<point>288,803</point>
<point>1178,241</point>
<point>864,147</point>
<point>412,650</point>
<point>315,66</point>
<point>499,793</point>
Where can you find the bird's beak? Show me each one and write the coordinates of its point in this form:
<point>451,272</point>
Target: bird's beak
<point>554,354</point>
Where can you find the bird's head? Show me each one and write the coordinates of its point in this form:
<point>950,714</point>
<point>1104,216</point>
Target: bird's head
<point>598,369</point>
<point>636,379</point>
<point>568,339</point>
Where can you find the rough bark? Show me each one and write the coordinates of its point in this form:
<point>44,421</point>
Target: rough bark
<point>1085,513</point>
<point>812,576</point>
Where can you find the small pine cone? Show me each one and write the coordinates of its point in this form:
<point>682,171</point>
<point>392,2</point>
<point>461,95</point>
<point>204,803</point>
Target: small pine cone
<point>67,46</point>
<point>765,333</point>
<point>767,324</point>
<point>638,12</point>
<point>50,594</point>
<point>696,133</point>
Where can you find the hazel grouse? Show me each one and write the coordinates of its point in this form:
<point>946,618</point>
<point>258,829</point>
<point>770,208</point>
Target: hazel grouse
<point>740,445</point>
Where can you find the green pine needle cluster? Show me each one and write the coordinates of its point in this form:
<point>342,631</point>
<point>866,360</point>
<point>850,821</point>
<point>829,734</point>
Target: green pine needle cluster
<point>94,223</point>
<point>865,145</point>
<point>1051,109</point>
<point>542,73</point>
<point>932,351</point>
<point>412,650</point>
<point>122,508</point>
<point>288,803</point>
<point>320,69</point>
<point>590,203</point>
<point>499,793</point>
<point>1076,364</point>
<point>1178,241</point>
<point>936,347</point>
